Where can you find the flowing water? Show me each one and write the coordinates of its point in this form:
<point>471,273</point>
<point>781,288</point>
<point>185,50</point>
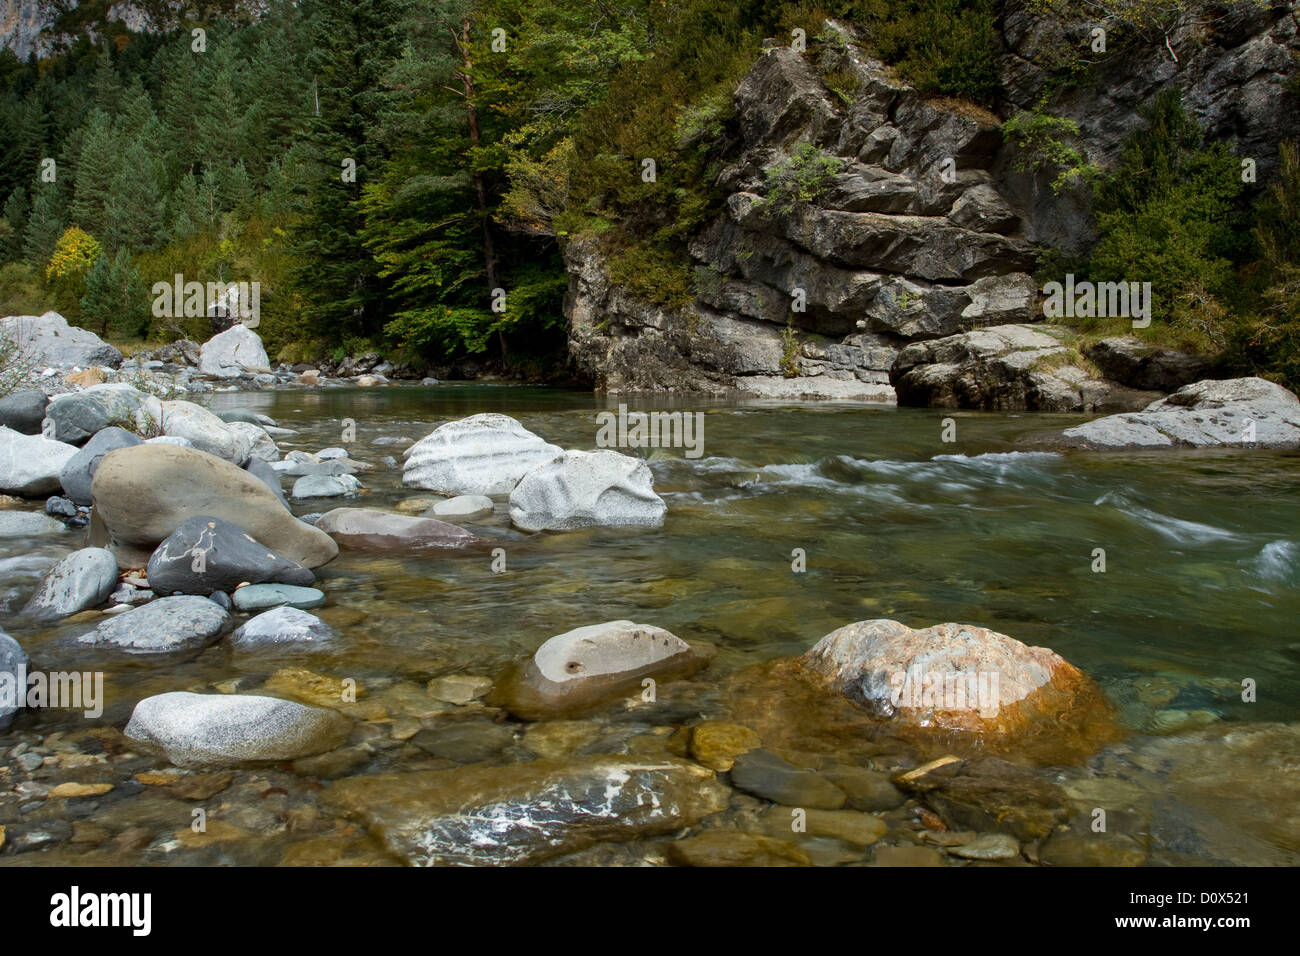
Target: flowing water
<point>1198,593</point>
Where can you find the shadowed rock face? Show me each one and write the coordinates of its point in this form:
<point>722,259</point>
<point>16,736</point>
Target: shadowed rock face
<point>1004,367</point>
<point>959,680</point>
<point>525,813</point>
<point>585,667</point>
<point>144,493</point>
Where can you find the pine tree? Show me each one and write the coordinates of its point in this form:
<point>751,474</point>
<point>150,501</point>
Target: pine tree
<point>135,210</point>
<point>353,47</point>
<point>16,211</point>
<point>95,171</point>
<point>116,298</point>
<point>45,225</point>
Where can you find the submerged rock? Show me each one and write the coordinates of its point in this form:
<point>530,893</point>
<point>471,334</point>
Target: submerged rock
<point>143,494</point>
<point>258,597</point>
<point>989,795</point>
<point>483,454</point>
<point>768,776</point>
<point>524,813</point>
<point>282,625</point>
<point>224,730</point>
<point>587,666</point>
<point>957,680</point>
<point>364,529</point>
<point>581,489</point>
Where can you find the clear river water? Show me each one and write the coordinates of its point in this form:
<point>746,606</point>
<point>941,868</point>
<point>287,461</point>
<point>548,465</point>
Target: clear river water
<point>1199,593</point>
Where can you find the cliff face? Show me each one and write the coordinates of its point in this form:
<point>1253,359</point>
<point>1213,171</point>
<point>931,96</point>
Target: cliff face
<point>21,23</point>
<point>31,26</point>
<point>927,232</point>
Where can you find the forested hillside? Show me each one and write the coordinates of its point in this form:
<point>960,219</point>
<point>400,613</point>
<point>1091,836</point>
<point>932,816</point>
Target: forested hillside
<point>399,176</point>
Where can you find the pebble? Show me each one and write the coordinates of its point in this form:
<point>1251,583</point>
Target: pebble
<point>990,846</point>
<point>766,775</point>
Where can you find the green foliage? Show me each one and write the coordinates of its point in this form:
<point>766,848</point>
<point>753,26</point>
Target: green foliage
<point>1040,140</point>
<point>116,298</point>
<point>656,274</point>
<point>800,179</point>
<point>789,350</point>
<point>943,47</point>
<point>1266,340</point>
<point>1171,213</point>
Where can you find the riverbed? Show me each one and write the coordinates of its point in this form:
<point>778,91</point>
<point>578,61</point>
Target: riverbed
<point>1171,578</point>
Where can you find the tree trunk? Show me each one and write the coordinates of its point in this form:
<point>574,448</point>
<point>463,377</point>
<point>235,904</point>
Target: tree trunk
<point>480,189</point>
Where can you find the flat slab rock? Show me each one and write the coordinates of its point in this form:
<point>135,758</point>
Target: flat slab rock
<point>223,730</point>
<point>1238,412</point>
<point>525,813</point>
<point>167,625</point>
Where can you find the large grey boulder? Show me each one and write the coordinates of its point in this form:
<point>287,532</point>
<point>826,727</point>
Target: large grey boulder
<point>13,679</point>
<point>260,443</point>
<point>75,416</point>
<point>79,471</point>
<point>24,410</point>
<point>84,579</point>
<point>585,488</point>
<point>579,669</point>
<point>30,465</point>
<point>166,625</point>
<point>232,353</point>
<point>480,455</point>
<point>229,730</point>
<point>205,431</point>
<point>49,340</point>
<point>143,494</point>
<point>1237,412</point>
<point>206,554</point>
<point>525,813</point>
